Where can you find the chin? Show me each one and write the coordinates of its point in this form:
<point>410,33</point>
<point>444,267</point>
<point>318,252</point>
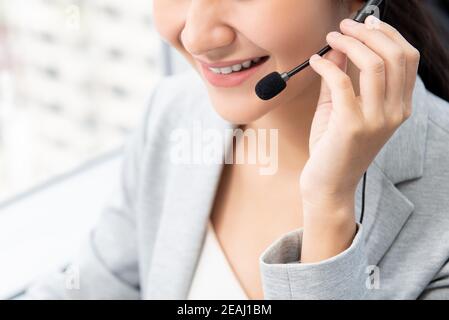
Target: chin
<point>241,109</point>
<point>241,106</point>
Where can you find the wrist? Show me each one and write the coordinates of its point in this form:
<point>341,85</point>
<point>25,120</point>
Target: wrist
<point>329,227</point>
<point>330,221</point>
<point>324,242</point>
<point>336,207</point>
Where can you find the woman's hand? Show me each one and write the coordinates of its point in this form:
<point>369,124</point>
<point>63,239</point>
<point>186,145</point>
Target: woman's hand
<point>348,131</point>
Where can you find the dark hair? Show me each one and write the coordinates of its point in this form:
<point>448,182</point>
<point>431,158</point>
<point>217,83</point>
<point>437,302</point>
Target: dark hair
<point>416,22</point>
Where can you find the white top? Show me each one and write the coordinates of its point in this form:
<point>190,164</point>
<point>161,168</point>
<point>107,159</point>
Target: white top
<point>214,278</point>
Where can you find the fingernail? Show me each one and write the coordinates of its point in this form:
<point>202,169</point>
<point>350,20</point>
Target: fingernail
<point>334,35</point>
<point>372,19</point>
<point>315,57</point>
<point>372,22</point>
<point>349,23</point>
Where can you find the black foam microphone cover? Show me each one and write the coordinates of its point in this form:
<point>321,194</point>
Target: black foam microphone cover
<point>270,86</point>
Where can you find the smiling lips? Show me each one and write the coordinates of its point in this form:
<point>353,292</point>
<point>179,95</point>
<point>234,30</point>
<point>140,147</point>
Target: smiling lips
<point>235,68</point>
<point>231,74</point>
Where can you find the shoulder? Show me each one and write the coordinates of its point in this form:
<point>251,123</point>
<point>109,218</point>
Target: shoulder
<point>177,102</point>
<point>433,187</point>
<point>183,88</point>
<point>177,105</point>
<point>437,142</point>
<point>179,98</point>
<point>438,114</point>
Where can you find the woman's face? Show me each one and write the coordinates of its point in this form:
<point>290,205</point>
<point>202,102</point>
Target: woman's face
<point>220,36</point>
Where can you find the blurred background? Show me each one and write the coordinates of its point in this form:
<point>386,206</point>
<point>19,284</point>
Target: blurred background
<point>75,76</point>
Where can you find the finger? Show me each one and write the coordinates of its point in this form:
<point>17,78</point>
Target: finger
<point>340,60</point>
<point>372,73</point>
<point>412,56</point>
<point>339,84</point>
<point>392,54</point>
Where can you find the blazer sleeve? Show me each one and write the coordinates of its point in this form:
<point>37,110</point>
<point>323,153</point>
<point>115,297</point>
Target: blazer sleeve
<point>438,289</point>
<point>107,266</point>
<point>284,277</point>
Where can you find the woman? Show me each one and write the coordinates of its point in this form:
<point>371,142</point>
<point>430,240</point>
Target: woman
<point>196,230</point>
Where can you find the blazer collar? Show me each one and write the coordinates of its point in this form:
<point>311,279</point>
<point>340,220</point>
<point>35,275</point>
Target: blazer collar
<point>191,192</point>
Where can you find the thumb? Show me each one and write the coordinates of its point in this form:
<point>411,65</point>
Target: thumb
<point>341,61</point>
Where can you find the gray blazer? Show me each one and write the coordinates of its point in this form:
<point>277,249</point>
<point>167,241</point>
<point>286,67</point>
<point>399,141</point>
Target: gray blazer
<point>148,240</point>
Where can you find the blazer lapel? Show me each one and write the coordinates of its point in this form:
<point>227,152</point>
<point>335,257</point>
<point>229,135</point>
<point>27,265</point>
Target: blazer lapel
<point>181,232</point>
<point>387,209</point>
<point>191,194</point>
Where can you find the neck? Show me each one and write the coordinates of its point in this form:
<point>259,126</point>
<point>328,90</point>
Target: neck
<point>293,122</point>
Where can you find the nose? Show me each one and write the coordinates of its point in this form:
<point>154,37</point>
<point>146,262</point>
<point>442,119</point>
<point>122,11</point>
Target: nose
<point>205,29</point>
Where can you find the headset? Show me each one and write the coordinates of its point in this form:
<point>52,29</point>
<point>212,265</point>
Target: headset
<point>274,83</point>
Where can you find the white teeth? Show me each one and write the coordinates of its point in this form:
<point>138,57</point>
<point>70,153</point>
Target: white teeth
<point>226,70</point>
<point>215,70</point>
<point>246,64</point>
<point>235,68</point>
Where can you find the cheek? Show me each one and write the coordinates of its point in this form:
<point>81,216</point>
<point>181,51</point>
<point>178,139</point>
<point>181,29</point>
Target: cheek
<point>169,19</point>
<point>292,31</point>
